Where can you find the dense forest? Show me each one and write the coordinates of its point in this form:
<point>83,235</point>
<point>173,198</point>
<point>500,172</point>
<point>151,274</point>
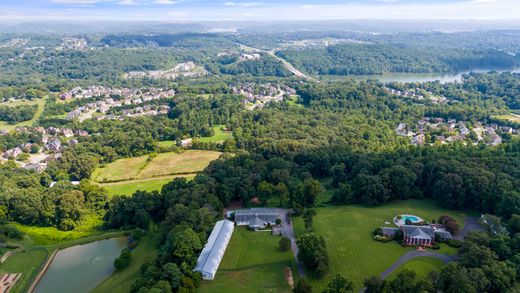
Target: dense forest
<point>360,59</point>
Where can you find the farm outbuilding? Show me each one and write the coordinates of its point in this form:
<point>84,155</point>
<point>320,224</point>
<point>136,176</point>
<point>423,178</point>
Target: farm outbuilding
<point>213,251</point>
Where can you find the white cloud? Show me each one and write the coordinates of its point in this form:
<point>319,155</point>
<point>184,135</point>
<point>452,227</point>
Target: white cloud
<point>243,4</point>
<point>127,2</point>
<point>76,1</point>
<point>166,2</point>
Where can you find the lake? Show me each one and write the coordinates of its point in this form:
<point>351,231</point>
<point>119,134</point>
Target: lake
<point>413,77</point>
<point>80,268</point>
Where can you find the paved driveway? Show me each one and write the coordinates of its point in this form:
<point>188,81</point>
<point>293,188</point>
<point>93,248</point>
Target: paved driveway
<point>287,231</point>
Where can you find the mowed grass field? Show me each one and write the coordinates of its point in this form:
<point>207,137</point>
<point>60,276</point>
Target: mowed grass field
<point>348,235</point>
<point>130,187</point>
<point>422,266</point>
<point>219,136</point>
<point>40,103</point>
<point>510,117</point>
<point>252,263</point>
<point>165,164</point>
<point>188,162</point>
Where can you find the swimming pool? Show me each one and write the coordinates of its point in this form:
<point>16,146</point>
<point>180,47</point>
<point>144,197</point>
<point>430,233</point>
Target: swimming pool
<point>412,219</point>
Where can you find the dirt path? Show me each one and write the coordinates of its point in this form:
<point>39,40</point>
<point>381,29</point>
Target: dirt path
<point>288,231</point>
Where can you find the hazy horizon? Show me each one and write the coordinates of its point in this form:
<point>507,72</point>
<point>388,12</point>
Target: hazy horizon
<point>261,10</point>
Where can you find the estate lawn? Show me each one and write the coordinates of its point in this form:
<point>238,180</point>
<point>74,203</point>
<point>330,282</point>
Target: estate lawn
<point>252,263</point>
<point>347,231</point>
<point>166,164</point>
<point>40,103</point>
<point>28,263</point>
<point>220,135</point>
<point>422,266</point>
<point>122,281</point>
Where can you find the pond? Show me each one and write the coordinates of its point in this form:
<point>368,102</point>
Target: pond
<point>414,77</point>
<point>80,268</point>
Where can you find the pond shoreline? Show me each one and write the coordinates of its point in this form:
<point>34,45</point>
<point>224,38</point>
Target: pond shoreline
<point>60,246</point>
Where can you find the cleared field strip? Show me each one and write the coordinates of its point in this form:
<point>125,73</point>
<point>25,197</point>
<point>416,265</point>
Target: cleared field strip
<point>510,117</point>
<point>186,164</point>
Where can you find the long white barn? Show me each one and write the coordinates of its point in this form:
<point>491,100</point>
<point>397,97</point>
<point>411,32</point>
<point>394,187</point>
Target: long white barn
<point>211,255</point>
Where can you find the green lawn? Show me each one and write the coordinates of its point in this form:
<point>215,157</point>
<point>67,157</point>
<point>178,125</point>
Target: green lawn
<point>219,136</point>
<point>189,162</point>
<point>41,105</point>
<point>167,143</point>
<point>511,117</point>
<point>28,263</point>
<point>51,235</point>
<point>422,266</point>
<point>130,187</point>
<point>122,281</point>
<point>293,101</point>
<point>348,235</point>
<point>252,263</point>
<point>123,169</point>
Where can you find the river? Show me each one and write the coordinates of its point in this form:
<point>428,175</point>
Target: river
<point>80,268</point>
<point>413,77</point>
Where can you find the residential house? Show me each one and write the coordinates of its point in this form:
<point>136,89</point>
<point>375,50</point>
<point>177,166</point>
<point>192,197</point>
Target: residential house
<point>53,145</point>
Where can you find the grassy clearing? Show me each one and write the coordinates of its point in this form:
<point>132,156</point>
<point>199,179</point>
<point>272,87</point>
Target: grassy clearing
<point>188,162</point>
<point>122,281</point>
<point>41,106</point>
<point>219,135</point>
<point>165,164</point>
<point>28,263</point>
<point>422,266</point>
<point>130,187</point>
<point>348,235</point>
<point>293,101</point>
<point>123,169</point>
<point>252,263</point>
<point>167,143</point>
<point>510,117</point>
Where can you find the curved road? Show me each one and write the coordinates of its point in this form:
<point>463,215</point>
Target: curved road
<point>413,254</point>
<point>287,65</point>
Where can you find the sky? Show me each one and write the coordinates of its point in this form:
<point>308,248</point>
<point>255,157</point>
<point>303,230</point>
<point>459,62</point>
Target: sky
<point>256,10</point>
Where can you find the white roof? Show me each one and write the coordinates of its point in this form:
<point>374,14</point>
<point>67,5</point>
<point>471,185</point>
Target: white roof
<point>214,249</point>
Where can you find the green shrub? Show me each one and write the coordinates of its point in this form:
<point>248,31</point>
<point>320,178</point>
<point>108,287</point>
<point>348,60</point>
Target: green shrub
<point>284,244</point>
<point>454,243</point>
<point>436,246</point>
<point>383,239</point>
<point>123,260</point>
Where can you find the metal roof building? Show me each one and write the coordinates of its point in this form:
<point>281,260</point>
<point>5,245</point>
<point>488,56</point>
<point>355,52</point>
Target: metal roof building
<point>211,255</point>
<point>256,218</point>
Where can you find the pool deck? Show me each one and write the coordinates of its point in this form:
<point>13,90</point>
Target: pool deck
<point>400,222</point>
